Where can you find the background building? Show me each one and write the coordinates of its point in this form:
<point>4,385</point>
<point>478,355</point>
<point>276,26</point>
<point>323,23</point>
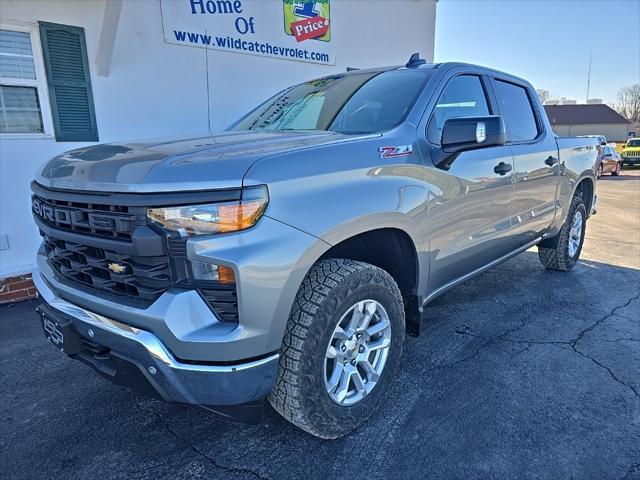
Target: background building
<point>76,72</point>
<point>593,119</point>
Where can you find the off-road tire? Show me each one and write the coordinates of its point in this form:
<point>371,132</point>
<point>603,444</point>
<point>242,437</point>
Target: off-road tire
<point>558,258</point>
<point>330,288</point>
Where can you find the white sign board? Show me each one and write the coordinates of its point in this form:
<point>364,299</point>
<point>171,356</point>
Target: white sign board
<point>287,29</point>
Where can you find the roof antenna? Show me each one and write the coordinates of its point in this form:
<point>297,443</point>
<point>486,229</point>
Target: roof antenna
<point>589,76</point>
<point>415,61</point>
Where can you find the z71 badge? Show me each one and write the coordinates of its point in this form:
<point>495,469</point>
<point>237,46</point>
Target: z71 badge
<point>397,151</point>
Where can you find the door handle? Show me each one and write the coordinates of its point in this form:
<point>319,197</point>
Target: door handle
<point>502,168</point>
<point>551,161</point>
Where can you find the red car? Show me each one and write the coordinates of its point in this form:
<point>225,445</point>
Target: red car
<point>610,162</point>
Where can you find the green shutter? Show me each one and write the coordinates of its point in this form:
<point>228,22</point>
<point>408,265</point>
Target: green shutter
<point>65,59</point>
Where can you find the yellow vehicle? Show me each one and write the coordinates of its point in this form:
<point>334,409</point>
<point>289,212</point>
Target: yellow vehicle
<point>631,152</point>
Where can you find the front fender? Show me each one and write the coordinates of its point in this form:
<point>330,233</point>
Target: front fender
<point>336,192</point>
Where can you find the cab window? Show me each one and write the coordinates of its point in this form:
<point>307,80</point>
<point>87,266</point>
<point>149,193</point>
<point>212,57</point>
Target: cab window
<point>516,111</point>
<point>463,96</point>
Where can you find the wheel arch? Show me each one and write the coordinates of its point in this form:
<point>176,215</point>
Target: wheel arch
<point>585,188</point>
<point>393,250</point>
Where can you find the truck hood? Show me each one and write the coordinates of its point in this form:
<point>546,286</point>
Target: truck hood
<point>202,163</point>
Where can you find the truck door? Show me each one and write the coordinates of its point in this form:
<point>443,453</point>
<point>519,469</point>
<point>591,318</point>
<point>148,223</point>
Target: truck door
<point>469,214</point>
<point>535,157</point>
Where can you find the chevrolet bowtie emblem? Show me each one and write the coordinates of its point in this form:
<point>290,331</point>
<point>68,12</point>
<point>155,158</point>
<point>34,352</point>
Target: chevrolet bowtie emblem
<point>117,267</point>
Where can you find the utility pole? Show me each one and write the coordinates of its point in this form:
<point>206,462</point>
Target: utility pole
<point>589,77</point>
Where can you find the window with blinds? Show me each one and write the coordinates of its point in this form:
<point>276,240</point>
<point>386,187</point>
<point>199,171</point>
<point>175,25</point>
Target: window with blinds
<point>19,103</point>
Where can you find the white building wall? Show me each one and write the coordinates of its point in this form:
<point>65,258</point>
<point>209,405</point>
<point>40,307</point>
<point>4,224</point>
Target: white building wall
<point>156,89</point>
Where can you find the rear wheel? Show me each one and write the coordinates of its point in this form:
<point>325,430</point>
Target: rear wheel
<point>341,349</point>
<point>568,244</point>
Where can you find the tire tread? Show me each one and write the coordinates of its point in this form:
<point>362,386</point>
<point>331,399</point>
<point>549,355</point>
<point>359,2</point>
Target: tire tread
<point>313,295</point>
<point>558,258</point>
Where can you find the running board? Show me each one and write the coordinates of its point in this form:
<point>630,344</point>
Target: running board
<point>440,290</point>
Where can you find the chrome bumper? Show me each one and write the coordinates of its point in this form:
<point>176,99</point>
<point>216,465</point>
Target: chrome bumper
<point>174,381</point>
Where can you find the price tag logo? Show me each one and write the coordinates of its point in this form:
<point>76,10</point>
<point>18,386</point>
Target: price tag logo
<point>307,20</point>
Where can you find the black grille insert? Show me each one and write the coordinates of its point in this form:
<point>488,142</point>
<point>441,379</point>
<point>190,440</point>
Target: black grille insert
<point>144,278</point>
<point>116,222</point>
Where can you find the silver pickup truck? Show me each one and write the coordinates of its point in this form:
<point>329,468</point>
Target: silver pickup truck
<point>287,257</point>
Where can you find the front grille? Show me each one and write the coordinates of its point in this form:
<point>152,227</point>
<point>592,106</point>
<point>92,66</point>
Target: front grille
<point>104,244</point>
<point>116,222</point>
<point>140,277</point>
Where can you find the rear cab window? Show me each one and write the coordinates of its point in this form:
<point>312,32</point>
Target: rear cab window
<point>517,111</point>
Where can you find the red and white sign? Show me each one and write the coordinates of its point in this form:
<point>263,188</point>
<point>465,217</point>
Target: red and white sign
<point>309,28</point>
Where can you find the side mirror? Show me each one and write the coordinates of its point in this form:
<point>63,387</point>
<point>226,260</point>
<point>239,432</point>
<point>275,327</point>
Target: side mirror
<point>604,144</point>
<point>470,133</point>
<point>608,155</point>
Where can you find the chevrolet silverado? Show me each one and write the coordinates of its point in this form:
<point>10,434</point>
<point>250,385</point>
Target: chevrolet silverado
<point>285,258</point>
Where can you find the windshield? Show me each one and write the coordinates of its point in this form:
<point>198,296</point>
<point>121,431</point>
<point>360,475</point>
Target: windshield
<point>365,102</point>
<point>633,143</point>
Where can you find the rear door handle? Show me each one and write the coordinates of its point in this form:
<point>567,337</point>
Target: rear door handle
<point>502,168</point>
<point>551,161</point>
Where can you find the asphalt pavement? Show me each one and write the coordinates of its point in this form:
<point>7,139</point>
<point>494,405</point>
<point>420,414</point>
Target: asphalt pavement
<point>520,373</point>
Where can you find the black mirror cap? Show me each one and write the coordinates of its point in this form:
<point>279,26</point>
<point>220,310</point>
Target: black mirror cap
<point>466,133</point>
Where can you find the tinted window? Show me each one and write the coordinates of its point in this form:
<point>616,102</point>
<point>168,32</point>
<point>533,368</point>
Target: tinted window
<point>357,103</point>
<point>515,108</point>
<point>462,97</point>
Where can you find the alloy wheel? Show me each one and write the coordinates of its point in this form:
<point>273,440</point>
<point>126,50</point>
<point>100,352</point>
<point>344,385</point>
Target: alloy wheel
<point>575,234</point>
<point>357,352</point>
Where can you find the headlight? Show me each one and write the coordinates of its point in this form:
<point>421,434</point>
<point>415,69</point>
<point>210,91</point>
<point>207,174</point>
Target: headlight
<point>216,217</point>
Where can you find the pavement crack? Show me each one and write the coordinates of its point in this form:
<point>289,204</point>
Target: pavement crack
<point>602,365</point>
<point>198,451</point>
<point>571,343</point>
<point>605,317</point>
<point>468,357</point>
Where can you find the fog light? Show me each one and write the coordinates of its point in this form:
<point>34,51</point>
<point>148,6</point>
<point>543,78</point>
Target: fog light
<point>212,272</point>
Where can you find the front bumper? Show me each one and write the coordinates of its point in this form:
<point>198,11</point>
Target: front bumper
<point>137,358</point>
<point>631,160</point>
<point>269,261</point>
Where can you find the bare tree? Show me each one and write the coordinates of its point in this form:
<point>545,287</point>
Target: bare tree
<point>543,94</point>
<point>629,102</point>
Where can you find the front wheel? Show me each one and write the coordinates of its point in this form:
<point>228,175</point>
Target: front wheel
<point>568,244</point>
<point>341,349</point>
<point>600,171</point>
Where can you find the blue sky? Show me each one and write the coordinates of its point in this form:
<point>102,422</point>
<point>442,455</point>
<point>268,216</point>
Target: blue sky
<point>546,41</point>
